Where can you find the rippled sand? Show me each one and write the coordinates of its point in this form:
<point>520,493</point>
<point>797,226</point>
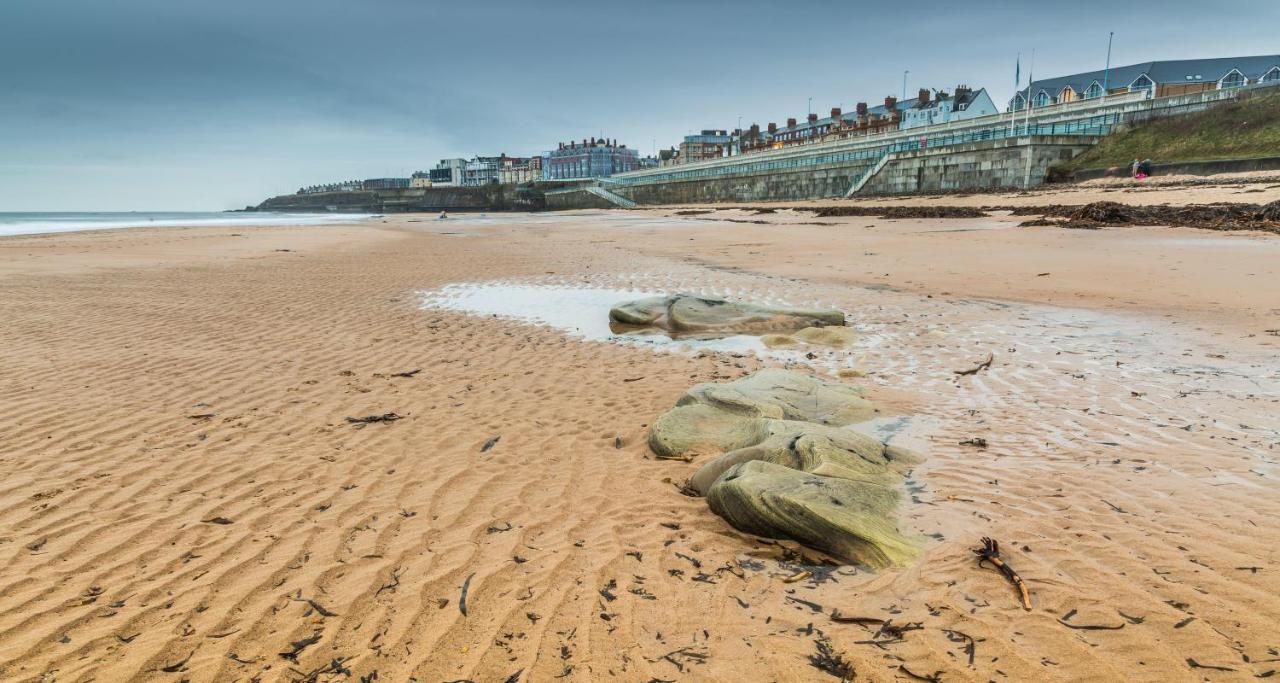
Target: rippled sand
<point>181,495</point>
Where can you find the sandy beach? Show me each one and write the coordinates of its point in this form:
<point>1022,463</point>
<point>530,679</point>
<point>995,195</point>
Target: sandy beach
<point>183,498</point>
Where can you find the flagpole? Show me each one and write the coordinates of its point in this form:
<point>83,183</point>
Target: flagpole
<point>1017,87</point>
<point>1031,79</point>
<point>1106,74</point>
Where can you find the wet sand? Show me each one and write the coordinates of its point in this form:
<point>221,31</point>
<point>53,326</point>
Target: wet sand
<point>183,497</point>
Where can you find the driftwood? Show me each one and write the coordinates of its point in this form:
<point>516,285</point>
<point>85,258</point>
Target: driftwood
<point>990,552</point>
<point>370,419</point>
<point>979,367</point>
<point>462,601</point>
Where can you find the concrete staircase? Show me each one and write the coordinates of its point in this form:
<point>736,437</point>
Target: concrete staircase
<point>866,176</point>
<point>615,199</point>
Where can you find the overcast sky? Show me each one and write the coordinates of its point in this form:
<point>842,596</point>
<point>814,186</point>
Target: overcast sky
<point>209,105</point>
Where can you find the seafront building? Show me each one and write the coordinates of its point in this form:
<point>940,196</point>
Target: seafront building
<point>514,170</point>
<point>589,159</point>
<point>709,144</point>
<point>448,173</point>
<point>941,107</point>
<point>1156,79</point>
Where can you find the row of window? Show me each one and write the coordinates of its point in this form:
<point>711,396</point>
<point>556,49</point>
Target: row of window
<point>1234,79</point>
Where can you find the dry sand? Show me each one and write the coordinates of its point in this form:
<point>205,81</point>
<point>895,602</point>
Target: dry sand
<point>182,497</point>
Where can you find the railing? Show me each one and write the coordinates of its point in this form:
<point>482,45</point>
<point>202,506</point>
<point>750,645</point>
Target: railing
<point>1093,117</point>
<point>1095,126</point>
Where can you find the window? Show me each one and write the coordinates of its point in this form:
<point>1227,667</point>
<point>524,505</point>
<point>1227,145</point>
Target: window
<point>1234,79</point>
<point>1141,84</point>
<point>1093,91</point>
<point>1272,75</point>
<point>1042,99</point>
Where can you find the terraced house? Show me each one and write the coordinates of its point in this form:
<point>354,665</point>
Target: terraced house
<point>1157,79</point>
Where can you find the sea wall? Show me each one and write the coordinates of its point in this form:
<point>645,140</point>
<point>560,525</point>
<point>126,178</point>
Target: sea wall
<point>987,165</point>
<point>983,165</point>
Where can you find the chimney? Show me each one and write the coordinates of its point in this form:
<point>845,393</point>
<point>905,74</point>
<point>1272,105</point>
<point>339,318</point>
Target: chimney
<point>861,109</point>
<point>835,112</point>
<point>923,96</point>
<point>962,91</point>
<point>890,102</point>
<point>791,123</point>
<point>773,128</point>
<point>755,128</point>
<point>813,118</point>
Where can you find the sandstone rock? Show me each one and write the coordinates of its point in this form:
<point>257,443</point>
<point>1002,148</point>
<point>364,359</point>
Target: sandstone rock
<point>785,395</point>
<point>816,449</point>
<point>851,521</point>
<point>689,314</point>
<point>696,428</point>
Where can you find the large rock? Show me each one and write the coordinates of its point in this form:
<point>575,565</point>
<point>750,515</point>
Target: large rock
<point>689,314</point>
<point>851,521</point>
<point>786,395</point>
<point>697,429</point>
<point>787,465</point>
<point>825,451</point>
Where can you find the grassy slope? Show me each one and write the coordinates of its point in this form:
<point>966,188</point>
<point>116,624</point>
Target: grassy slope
<point>1250,128</point>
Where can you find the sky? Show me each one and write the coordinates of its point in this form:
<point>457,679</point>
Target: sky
<point>211,105</point>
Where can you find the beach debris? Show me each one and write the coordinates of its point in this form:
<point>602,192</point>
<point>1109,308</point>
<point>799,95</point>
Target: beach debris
<point>490,443</point>
<point>1218,216</point>
<point>202,416</point>
<point>370,419</point>
<point>182,664</point>
<point>971,646</point>
<point>975,441</point>
<point>828,661</point>
<point>798,576</point>
<point>986,363</point>
<point>990,552</point>
<point>462,600</point>
<point>407,373</point>
<point>935,677</point>
<point>1064,619</point>
<point>691,314</point>
<point>688,655</point>
<point>217,520</point>
<point>1197,665</point>
<point>300,645</point>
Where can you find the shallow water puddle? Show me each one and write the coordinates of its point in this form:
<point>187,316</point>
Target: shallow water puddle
<point>584,312</point>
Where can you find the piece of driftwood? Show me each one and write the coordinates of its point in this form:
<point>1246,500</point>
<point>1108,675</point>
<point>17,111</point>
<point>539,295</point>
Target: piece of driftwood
<point>990,552</point>
<point>370,419</point>
<point>986,363</point>
<point>462,601</point>
<point>1064,619</point>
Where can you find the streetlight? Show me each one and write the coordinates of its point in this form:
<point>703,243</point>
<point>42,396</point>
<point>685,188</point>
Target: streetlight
<point>810,105</point>
<point>904,83</point>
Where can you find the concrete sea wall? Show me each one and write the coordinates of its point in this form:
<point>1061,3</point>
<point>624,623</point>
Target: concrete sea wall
<point>416,199</point>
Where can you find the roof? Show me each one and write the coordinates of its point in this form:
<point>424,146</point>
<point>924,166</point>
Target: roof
<point>878,110</point>
<point>1172,71</point>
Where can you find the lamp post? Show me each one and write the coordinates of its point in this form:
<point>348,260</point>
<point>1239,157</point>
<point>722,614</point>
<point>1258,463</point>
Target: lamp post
<point>810,105</point>
<point>904,83</point>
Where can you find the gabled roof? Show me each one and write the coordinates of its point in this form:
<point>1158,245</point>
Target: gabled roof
<point>878,110</point>
<point>1172,71</point>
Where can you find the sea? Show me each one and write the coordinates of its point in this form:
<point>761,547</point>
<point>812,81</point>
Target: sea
<point>20,223</point>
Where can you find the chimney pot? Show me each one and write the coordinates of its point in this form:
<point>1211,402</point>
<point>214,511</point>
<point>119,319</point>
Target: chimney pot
<point>773,127</point>
<point>835,112</point>
<point>791,123</point>
<point>813,117</point>
<point>923,96</point>
<point>890,102</point>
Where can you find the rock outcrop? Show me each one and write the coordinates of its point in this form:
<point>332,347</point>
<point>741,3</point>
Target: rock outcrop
<point>787,465</point>
<point>686,314</point>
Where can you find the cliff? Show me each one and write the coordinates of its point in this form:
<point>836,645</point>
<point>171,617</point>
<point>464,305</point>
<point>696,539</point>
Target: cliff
<point>415,199</point>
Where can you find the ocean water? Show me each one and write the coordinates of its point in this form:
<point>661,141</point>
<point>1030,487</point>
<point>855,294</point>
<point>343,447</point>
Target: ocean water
<point>42,223</point>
